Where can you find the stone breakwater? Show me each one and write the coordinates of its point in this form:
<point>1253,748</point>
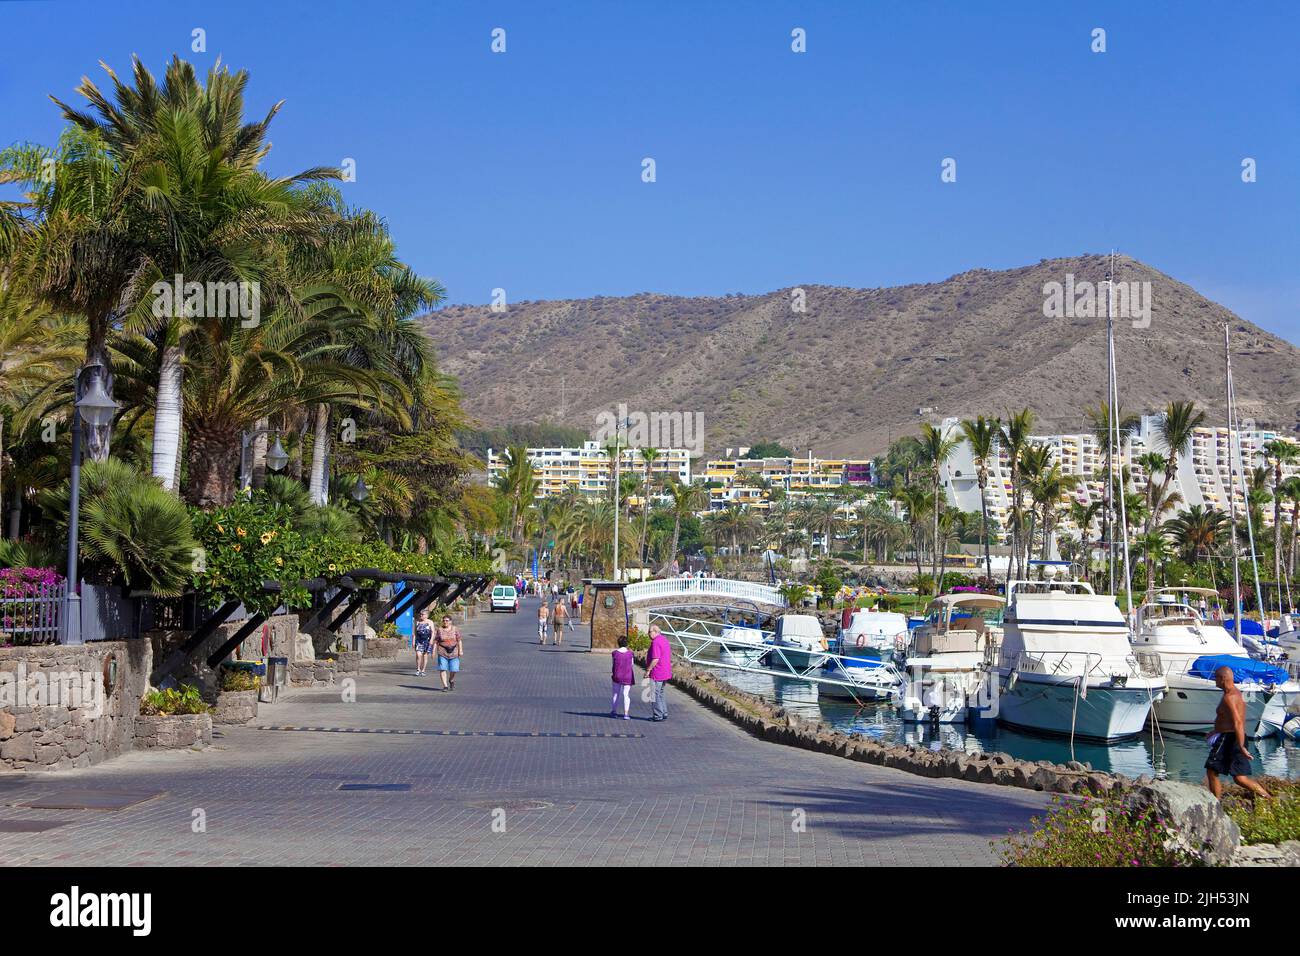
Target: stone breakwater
<point>1204,829</point>
<point>769,722</point>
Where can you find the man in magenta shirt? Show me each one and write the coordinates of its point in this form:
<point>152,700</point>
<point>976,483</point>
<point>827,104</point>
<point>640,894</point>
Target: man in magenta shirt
<point>659,667</point>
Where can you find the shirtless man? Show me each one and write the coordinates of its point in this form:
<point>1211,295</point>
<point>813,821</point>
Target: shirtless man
<point>543,618</point>
<point>1228,752</point>
<point>558,614</point>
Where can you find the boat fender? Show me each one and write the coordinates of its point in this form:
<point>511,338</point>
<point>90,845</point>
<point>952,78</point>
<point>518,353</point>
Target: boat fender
<point>1291,728</point>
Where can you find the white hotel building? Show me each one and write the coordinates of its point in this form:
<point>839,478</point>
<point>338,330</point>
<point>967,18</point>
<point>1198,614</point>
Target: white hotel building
<point>1202,477</point>
<point>587,468</point>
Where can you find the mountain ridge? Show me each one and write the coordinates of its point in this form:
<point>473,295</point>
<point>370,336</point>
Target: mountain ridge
<point>852,372</point>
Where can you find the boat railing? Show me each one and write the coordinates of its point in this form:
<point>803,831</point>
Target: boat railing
<point>702,643</point>
<point>1059,663</point>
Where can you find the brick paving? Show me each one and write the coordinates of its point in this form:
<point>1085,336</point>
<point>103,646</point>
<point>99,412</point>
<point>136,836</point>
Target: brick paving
<point>520,766</point>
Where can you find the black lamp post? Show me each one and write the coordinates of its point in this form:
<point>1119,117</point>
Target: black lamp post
<point>97,408</point>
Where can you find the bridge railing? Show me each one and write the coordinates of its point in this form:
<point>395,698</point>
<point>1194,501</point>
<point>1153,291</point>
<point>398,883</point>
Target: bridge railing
<point>722,588</point>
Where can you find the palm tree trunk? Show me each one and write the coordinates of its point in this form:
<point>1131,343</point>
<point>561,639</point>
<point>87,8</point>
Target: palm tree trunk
<point>213,455</point>
<point>984,527</point>
<point>1277,534</point>
<point>167,419</point>
<point>319,486</point>
<point>260,444</point>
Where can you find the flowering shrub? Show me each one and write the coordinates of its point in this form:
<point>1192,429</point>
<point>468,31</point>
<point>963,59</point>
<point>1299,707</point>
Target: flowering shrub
<point>244,545</point>
<point>28,582</point>
<point>254,541</point>
<point>1094,831</point>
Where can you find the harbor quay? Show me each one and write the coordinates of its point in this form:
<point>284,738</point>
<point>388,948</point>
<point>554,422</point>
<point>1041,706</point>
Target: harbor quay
<point>520,765</point>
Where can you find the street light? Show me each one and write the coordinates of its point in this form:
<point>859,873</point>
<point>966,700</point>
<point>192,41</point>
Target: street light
<point>277,457</point>
<point>360,492</point>
<point>97,408</point>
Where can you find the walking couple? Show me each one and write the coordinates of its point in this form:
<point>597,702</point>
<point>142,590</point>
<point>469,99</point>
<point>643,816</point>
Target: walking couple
<point>659,669</point>
<point>445,641</point>
<point>554,614</point>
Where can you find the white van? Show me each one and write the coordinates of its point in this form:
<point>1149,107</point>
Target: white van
<point>505,598</point>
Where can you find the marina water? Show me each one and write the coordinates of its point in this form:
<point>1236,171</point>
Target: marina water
<point>1178,756</point>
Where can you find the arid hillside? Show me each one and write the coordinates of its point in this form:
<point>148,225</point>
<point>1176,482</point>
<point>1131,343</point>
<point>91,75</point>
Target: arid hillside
<point>861,366</point>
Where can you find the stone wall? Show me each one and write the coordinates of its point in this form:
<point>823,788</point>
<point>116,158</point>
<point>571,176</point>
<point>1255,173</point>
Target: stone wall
<point>235,707</point>
<point>179,731</point>
<point>55,712</point>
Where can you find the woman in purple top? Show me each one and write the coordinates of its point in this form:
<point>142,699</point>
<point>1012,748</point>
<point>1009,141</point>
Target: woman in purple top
<point>623,678</point>
<point>659,668</point>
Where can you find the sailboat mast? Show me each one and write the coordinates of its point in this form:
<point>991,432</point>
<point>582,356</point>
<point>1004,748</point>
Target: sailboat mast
<point>1110,440</point>
<point>1232,491</point>
<point>1234,430</point>
<point>1113,383</point>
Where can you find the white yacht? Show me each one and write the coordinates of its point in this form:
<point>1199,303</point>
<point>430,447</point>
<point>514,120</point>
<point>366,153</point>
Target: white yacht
<point>797,644</point>
<point>946,665</point>
<point>861,679</point>
<point>873,633</point>
<point>742,641</point>
<point>1173,639</point>
<point>1065,665</point>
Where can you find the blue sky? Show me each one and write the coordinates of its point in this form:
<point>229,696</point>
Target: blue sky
<point>522,170</point>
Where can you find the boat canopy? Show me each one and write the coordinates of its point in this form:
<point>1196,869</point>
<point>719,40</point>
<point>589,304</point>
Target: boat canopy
<point>1245,670</point>
<point>1204,592</point>
<point>983,601</point>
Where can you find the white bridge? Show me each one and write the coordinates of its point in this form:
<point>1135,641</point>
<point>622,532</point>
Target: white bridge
<point>702,592</point>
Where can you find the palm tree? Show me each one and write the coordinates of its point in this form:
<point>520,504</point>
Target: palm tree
<point>1198,531</point>
<point>519,484</point>
<point>685,502</point>
<point>1082,514</point>
<point>981,435</point>
<point>1291,493</point>
<point>648,457</point>
<point>1176,427</point>
<point>1125,424</point>
<point>1013,437</point>
<point>76,245</point>
<point>1280,452</point>
<point>916,502</point>
<point>936,448</point>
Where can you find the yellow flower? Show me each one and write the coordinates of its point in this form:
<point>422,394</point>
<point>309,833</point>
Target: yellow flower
<point>279,561</point>
<point>333,568</point>
<point>239,547</point>
<point>241,532</point>
<point>221,529</point>
<point>266,538</point>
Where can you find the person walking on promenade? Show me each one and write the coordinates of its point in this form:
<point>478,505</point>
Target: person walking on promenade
<point>659,668</point>
<point>623,677</point>
<point>558,614</point>
<point>543,618</point>
<point>573,604</point>
<point>423,642</point>
<point>1228,754</point>
<point>450,650</point>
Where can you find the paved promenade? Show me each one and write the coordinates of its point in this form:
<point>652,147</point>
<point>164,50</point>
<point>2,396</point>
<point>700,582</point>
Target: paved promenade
<point>521,765</point>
